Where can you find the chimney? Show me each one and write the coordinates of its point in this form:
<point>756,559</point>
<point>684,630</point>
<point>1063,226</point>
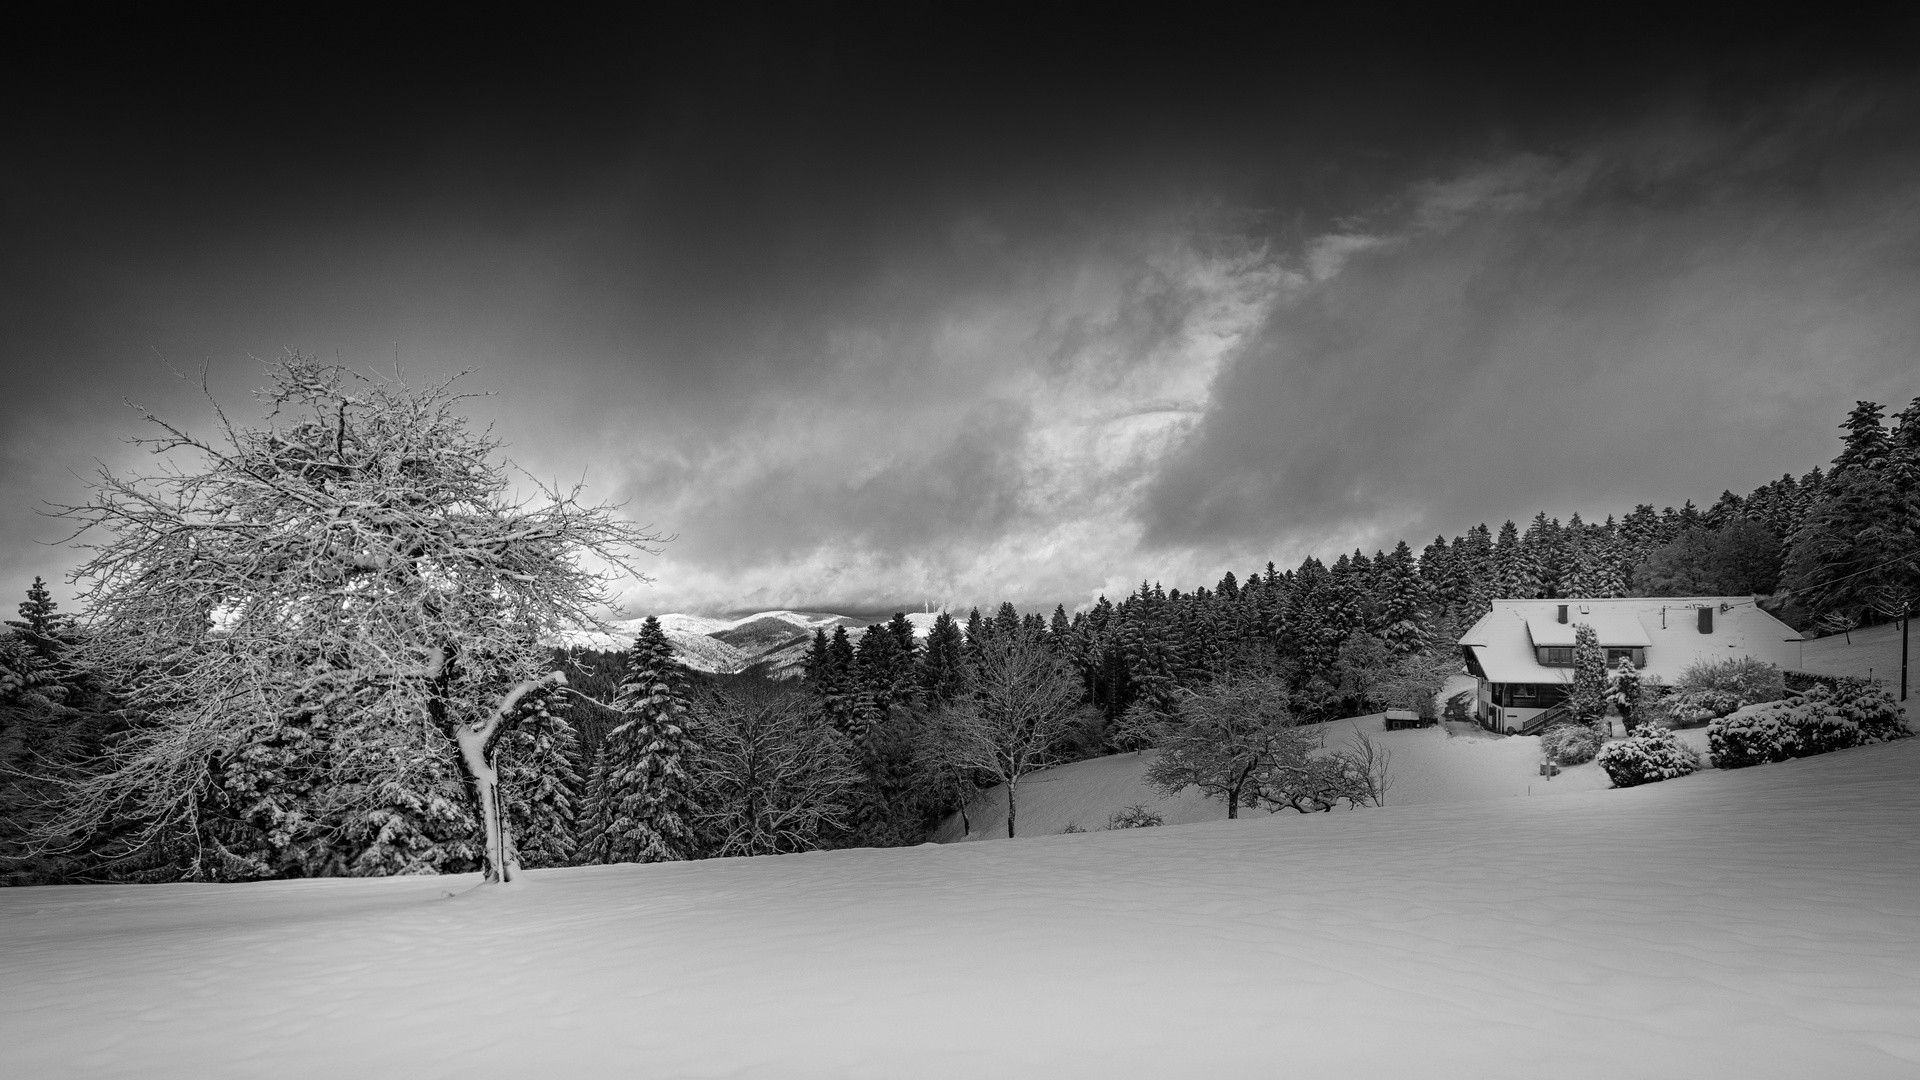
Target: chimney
<point>1706,618</point>
<point>1563,613</point>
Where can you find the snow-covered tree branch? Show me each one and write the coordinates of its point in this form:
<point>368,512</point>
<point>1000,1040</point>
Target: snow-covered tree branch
<point>307,616</point>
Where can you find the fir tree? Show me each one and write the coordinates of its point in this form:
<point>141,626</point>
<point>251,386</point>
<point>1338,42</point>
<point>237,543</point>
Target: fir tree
<point>1623,690</point>
<point>1406,604</point>
<point>1728,509</point>
<point>1587,698</point>
<point>817,670</point>
<point>903,674</point>
<point>1060,629</point>
<point>943,663</point>
<point>1517,575</point>
<point>1866,444</point>
<point>1545,549</point>
<point>43,630</point>
<point>540,784</point>
<point>643,808</point>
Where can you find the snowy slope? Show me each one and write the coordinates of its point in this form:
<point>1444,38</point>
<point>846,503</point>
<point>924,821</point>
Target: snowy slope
<point>775,641</point>
<point>1757,923</point>
<point>1453,762</point>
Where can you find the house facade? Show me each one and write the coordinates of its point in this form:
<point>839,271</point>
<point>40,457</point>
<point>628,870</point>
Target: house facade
<point>1521,652</point>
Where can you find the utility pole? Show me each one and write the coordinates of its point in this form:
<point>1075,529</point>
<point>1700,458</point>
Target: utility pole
<point>1906,625</point>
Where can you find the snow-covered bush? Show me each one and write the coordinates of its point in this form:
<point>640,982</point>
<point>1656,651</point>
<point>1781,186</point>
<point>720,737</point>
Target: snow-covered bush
<point>1754,738</point>
<point>1872,706</point>
<point>1652,755</point>
<point>1709,690</point>
<point>1698,705</point>
<point>1570,744</point>
<point>1136,816</point>
<point>1853,713</point>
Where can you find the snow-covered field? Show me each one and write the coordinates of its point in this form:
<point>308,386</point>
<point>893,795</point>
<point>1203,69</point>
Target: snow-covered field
<point>1870,653</point>
<point>1454,762</point>
<point>1759,923</point>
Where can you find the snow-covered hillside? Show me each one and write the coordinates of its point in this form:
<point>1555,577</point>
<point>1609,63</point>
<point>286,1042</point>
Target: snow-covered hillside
<point>1454,762</point>
<point>1757,923</point>
<point>773,642</point>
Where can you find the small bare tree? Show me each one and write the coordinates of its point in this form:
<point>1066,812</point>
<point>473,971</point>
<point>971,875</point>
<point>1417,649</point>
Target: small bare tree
<point>1229,735</point>
<point>773,776</point>
<point>1318,782</point>
<point>1022,703</point>
<point>351,579</point>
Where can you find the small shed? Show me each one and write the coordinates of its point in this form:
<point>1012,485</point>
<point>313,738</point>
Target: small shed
<point>1402,718</point>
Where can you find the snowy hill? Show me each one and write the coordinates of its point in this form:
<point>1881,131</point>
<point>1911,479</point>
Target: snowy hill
<point>1453,762</point>
<point>1750,924</point>
<point>773,642</point>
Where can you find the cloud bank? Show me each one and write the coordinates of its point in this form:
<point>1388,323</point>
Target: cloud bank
<point>870,328</point>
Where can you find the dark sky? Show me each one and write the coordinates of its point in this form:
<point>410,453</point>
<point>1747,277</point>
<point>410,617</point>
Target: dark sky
<point>872,312</point>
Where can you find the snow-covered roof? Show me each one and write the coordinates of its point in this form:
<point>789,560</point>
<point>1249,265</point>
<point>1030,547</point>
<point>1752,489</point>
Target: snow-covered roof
<point>1502,642</point>
<point>1615,627</point>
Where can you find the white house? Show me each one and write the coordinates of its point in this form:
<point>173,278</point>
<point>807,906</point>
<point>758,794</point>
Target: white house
<point>1521,652</point>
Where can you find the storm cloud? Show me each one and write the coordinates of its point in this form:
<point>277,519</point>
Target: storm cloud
<point>870,317</point>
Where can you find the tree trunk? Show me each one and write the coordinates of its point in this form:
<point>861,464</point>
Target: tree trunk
<point>479,743</point>
<point>1011,784</point>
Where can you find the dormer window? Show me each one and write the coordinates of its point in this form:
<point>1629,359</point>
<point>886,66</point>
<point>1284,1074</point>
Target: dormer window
<point>1556,655</point>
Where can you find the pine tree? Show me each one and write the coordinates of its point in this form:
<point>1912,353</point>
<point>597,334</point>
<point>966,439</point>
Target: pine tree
<point>1623,690</point>
<point>1545,548</point>
<point>1579,568</point>
<point>1587,698</point>
<point>903,675</point>
<point>1006,622</point>
<point>1728,509</point>
<point>1866,444</point>
<point>43,630</point>
<point>817,670</point>
<point>540,783</point>
<point>1406,604</point>
<point>1060,629</point>
<point>1903,455</point>
<point>943,663</point>
<point>1639,534</point>
<point>1475,579</point>
<point>977,634</point>
<point>1517,576</point>
<point>643,808</point>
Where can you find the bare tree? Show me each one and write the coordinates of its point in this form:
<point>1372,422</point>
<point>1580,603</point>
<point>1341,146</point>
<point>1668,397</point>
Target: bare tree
<point>773,776</point>
<point>1022,703</point>
<point>1229,736</point>
<point>354,571</point>
<point>1318,782</point>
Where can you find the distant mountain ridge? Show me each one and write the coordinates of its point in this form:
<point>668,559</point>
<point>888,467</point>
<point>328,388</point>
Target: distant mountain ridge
<point>771,643</point>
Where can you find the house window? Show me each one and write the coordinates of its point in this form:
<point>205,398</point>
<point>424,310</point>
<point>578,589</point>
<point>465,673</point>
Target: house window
<point>1522,692</point>
<point>1638,656</point>
<point>1556,655</point>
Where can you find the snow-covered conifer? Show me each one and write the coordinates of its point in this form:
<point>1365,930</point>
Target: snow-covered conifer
<point>642,793</point>
<point>1587,698</point>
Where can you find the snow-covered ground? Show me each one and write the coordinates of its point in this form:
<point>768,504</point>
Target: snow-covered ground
<point>1452,762</point>
<point>1870,653</point>
<point>1757,923</point>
